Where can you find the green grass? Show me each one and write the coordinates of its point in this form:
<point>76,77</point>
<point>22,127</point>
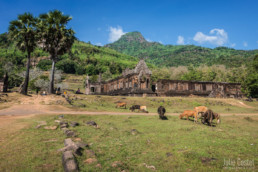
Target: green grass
<point>186,143</point>
<point>172,104</point>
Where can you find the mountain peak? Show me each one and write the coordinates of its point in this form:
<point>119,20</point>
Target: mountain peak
<point>133,37</point>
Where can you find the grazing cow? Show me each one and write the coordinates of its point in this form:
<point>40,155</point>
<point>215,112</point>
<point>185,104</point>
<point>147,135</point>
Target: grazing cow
<point>143,109</point>
<point>189,113</point>
<point>209,115</point>
<point>200,109</point>
<point>121,104</point>
<point>135,107</point>
<point>161,112</point>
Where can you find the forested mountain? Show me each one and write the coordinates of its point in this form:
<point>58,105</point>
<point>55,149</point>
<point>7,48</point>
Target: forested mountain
<point>134,44</point>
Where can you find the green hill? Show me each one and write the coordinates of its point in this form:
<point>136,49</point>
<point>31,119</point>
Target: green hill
<point>134,44</point>
<point>83,58</point>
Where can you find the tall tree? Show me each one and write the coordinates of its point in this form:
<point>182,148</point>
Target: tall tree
<point>56,38</point>
<point>23,31</point>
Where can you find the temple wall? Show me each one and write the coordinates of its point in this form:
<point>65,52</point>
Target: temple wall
<point>136,82</point>
<point>185,88</point>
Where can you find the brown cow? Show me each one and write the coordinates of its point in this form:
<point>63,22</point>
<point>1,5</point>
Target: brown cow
<point>143,109</point>
<point>121,104</point>
<point>200,109</point>
<point>189,113</point>
<point>209,115</point>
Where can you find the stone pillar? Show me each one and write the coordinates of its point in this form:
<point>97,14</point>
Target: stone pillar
<point>87,86</point>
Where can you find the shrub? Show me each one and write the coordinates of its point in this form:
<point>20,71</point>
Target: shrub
<point>44,64</point>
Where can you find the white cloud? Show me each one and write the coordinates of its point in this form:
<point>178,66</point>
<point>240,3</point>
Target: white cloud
<point>217,37</point>
<point>115,33</point>
<point>180,40</point>
<point>160,42</point>
<point>245,44</point>
<point>99,28</point>
<point>233,45</point>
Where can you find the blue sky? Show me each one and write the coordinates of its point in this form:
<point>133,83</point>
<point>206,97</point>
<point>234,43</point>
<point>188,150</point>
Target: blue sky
<point>207,23</point>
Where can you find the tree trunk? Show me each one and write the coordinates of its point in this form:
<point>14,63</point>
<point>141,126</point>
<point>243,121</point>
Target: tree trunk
<point>52,78</point>
<point>5,89</point>
<point>26,81</point>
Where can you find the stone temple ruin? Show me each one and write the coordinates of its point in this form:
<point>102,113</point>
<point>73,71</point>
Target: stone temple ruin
<point>137,82</point>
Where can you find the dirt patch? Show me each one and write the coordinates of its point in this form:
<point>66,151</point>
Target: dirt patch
<point>11,124</point>
<point>237,103</point>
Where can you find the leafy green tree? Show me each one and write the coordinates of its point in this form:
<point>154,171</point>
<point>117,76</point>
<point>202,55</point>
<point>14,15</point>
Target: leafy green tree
<point>56,39</point>
<point>250,84</point>
<point>23,31</point>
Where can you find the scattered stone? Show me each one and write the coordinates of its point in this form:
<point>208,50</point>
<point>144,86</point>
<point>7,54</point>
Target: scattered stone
<point>63,124</point>
<point>68,142</point>
<point>69,163</point>
<point>207,160</point>
<point>169,154</point>
<point>41,123</point>
<point>152,167</point>
<point>116,164</point>
<point>50,127</point>
<point>82,145</point>
<point>91,123</point>
<point>74,124</point>
<point>70,133</point>
<point>57,121</point>
<point>90,153</point>
<point>71,146</point>
<point>91,160</point>
<point>134,132</point>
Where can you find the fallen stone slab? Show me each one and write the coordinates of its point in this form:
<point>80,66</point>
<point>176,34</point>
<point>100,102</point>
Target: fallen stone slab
<point>74,124</point>
<point>69,162</point>
<point>41,123</point>
<point>82,145</point>
<point>70,133</point>
<point>57,121</point>
<point>50,127</point>
<point>63,124</point>
<point>72,146</point>
<point>91,123</point>
<point>68,142</point>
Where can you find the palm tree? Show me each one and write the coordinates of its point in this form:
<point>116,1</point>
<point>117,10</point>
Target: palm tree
<point>55,38</point>
<point>23,31</point>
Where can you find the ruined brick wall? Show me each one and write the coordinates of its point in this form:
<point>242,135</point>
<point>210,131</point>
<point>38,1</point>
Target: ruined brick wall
<point>136,82</point>
<point>186,88</point>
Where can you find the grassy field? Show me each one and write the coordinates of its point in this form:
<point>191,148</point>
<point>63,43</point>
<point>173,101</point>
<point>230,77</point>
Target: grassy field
<point>172,145</point>
<point>172,104</point>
